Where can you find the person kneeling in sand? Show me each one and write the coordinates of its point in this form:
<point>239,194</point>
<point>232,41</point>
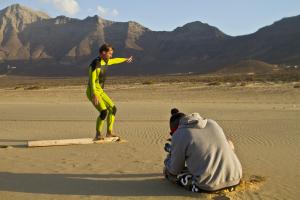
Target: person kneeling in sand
<point>200,157</point>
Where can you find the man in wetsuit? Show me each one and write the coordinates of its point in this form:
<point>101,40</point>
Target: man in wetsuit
<point>95,93</point>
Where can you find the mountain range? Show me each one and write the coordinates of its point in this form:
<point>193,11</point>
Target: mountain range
<point>33,43</point>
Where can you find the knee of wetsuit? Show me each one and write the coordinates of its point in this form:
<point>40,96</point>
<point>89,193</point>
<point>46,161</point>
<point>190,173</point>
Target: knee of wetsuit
<point>114,110</point>
<point>103,114</point>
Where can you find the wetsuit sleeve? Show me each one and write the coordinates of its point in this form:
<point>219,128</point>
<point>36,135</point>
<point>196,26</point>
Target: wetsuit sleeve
<point>93,76</point>
<point>113,61</point>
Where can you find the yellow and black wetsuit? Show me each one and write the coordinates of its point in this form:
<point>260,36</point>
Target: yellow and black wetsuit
<point>97,70</point>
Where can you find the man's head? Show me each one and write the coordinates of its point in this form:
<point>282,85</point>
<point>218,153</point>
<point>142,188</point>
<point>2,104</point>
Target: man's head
<point>175,119</point>
<point>106,51</point>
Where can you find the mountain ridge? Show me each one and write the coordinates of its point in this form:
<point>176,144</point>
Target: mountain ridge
<point>40,45</point>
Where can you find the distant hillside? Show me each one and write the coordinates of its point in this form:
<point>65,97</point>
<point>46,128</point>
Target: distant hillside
<point>250,67</point>
<point>32,43</point>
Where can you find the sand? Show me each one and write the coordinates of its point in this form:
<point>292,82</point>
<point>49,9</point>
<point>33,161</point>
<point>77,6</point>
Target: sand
<point>261,119</point>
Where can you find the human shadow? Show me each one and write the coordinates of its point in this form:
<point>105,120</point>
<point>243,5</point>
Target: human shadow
<point>152,184</point>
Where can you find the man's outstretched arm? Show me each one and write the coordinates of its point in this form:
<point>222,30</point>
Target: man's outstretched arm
<point>114,61</point>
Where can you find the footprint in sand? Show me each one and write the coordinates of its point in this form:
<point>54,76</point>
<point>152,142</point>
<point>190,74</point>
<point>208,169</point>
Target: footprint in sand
<point>253,183</point>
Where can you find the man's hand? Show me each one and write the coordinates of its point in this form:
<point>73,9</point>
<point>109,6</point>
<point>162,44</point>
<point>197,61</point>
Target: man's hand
<point>129,60</point>
<point>95,100</point>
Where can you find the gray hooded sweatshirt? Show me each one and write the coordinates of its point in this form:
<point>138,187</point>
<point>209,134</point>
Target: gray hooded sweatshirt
<point>200,145</point>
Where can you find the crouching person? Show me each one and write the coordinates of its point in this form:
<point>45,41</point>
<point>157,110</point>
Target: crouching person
<point>200,157</point>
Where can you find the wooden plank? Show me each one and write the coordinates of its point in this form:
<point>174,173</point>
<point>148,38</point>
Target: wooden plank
<point>61,142</point>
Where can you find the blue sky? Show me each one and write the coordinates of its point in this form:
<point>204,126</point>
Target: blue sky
<point>234,17</point>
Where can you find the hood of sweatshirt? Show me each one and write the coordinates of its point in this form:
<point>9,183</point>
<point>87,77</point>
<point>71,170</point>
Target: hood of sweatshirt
<point>193,120</point>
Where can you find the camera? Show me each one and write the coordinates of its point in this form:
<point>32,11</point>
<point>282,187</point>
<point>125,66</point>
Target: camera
<point>168,147</point>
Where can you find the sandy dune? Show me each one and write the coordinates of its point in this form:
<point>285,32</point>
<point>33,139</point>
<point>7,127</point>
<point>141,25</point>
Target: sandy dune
<point>262,120</point>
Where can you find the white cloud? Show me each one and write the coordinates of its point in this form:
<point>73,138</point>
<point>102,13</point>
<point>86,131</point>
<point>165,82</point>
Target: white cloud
<point>114,12</point>
<point>69,6</point>
<point>105,12</point>
<point>102,11</point>
<point>44,1</point>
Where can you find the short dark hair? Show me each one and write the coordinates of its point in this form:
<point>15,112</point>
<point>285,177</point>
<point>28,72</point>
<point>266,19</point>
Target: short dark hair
<point>105,48</point>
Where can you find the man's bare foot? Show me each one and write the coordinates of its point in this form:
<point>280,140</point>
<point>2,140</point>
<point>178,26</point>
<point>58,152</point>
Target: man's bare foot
<point>98,136</point>
<point>110,134</point>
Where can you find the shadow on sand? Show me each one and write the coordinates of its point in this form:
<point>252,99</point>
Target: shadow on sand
<point>91,184</point>
<point>8,143</point>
